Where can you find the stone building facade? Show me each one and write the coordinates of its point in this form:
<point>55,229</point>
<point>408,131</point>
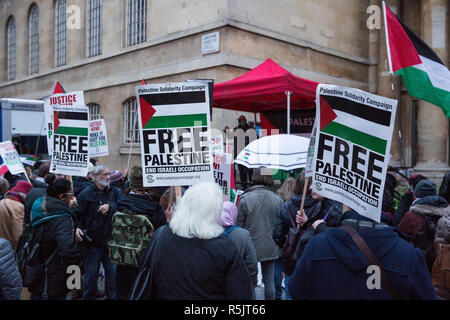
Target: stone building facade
<point>109,46</point>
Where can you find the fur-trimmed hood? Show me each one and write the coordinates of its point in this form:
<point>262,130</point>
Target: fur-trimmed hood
<point>431,206</point>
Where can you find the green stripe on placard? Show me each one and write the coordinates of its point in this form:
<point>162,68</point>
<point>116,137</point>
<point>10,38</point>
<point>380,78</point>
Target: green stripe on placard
<point>358,137</point>
<point>185,120</point>
<point>71,131</point>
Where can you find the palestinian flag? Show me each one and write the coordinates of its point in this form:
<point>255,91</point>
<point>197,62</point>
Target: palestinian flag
<point>155,115</point>
<point>425,76</point>
<point>355,121</point>
<point>31,160</point>
<point>69,123</point>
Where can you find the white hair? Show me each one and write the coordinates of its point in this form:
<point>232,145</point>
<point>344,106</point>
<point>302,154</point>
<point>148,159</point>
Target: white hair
<point>198,212</point>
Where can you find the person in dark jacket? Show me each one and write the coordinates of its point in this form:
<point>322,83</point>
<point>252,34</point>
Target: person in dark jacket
<point>96,206</point>
<point>242,137</point>
<point>420,223</point>
<point>143,201</point>
<point>332,266</point>
<point>407,199</point>
<point>81,183</point>
<point>191,259</point>
<point>444,189</point>
<point>258,208</point>
<point>10,280</point>
<point>325,213</point>
<point>55,217</point>
<point>284,222</point>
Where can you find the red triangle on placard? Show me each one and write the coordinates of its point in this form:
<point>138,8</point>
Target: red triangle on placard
<point>55,121</point>
<point>147,111</point>
<point>326,113</point>
<point>57,88</point>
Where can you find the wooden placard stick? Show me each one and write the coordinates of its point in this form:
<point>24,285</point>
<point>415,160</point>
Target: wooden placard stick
<point>303,197</point>
<point>178,193</point>
<point>170,197</point>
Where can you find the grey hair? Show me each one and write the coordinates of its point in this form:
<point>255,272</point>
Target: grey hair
<point>4,185</point>
<point>99,169</point>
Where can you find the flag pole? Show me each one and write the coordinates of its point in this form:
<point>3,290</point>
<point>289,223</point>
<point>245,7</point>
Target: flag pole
<point>402,159</point>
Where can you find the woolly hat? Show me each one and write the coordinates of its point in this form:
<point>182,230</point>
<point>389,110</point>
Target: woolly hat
<point>425,188</point>
<point>116,176</point>
<point>22,186</point>
<point>135,178</point>
<point>415,179</point>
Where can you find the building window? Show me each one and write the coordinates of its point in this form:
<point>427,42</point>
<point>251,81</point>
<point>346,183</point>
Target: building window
<point>136,21</point>
<point>60,32</point>
<point>94,111</point>
<point>131,122</point>
<point>94,28</point>
<point>11,47</point>
<point>33,21</point>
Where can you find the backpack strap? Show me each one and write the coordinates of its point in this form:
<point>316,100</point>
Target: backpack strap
<point>372,259</point>
<point>228,230</point>
<point>7,208</point>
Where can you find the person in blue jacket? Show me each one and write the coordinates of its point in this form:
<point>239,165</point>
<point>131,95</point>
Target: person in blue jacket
<point>332,266</point>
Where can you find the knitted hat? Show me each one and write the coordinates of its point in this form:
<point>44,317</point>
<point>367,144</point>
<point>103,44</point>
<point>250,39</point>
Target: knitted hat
<point>116,176</point>
<point>135,178</point>
<point>90,167</point>
<point>22,186</point>
<point>425,188</point>
<point>415,179</point>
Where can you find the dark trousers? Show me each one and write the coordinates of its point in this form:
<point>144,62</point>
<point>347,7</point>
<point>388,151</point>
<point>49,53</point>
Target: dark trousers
<point>92,256</point>
<point>124,281</point>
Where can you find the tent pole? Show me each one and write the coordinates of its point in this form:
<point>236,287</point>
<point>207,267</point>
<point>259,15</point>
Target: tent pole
<point>288,94</point>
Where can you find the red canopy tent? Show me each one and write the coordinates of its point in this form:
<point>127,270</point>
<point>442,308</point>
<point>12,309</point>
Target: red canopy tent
<point>267,87</point>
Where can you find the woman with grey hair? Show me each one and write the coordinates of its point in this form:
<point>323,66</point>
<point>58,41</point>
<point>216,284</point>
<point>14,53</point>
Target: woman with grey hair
<point>203,264</point>
<point>4,187</point>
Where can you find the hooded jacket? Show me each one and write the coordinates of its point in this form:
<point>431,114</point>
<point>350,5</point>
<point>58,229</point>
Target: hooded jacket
<point>59,235</point>
<point>10,280</point>
<point>258,208</point>
<point>332,267</point>
<point>39,190</point>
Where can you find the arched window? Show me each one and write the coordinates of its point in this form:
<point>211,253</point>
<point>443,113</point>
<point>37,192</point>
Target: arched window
<point>11,47</point>
<point>131,129</point>
<point>60,32</point>
<point>33,22</point>
<point>94,111</point>
<point>94,27</point>
<point>136,21</point>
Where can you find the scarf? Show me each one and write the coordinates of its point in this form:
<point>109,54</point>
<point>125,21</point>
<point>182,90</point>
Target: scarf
<point>13,195</point>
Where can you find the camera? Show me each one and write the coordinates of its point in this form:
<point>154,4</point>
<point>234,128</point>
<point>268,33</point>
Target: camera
<point>86,237</point>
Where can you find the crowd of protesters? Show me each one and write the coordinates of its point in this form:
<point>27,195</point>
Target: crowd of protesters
<point>215,246</point>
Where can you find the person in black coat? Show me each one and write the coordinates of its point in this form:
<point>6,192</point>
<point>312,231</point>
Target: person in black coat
<point>191,258</point>
<point>10,280</point>
<point>143,201</point>
<point>96,206</point>
<point>444,190</point>
<point>283,223</point>
<point>58,239</point>
<point>407,199</point>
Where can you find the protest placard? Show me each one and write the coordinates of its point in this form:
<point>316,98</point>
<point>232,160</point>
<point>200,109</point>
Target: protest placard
<point>98,140</point>
<point>70,134</point>
<point>217,144</point>
<point>352,147</point>
<point>11,157</point>
<point>174,126</point>
<point>222,173</point>
<point>48,121</point>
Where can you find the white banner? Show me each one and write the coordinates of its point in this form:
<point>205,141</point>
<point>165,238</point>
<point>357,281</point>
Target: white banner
<point>352,147</point>
<point>174,125</point>
<point>98,140</point>
<point>11,157</point>
<point>70,134</point>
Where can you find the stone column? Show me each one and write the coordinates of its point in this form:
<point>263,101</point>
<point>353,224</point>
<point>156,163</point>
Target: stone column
<point>432,125</point>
